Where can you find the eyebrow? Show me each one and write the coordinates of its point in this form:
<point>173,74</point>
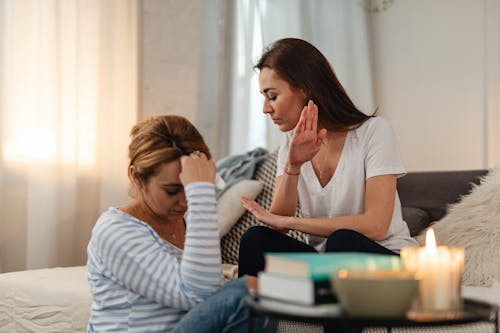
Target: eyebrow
<point>176,185</point>
<point>267,89</point>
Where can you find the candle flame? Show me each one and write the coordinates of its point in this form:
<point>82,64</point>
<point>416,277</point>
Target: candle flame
<point>430,241</point>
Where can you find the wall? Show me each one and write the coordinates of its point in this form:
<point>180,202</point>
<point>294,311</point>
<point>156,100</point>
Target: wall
<point>170,49</point>
<point>432,80</point>
<point>182,61</point>
<point>435,75</point>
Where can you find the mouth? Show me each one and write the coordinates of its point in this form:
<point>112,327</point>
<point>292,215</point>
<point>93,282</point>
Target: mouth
<point>178,212</point>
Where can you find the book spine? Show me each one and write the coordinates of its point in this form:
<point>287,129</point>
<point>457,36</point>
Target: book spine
<point>323,292</point>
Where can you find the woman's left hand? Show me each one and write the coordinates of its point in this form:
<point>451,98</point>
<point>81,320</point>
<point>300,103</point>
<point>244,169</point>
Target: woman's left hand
<point>276,222</point>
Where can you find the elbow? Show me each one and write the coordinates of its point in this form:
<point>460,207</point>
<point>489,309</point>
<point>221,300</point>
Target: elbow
<point>378,237</point>
<point>187,300</point>
<point>380,229</point>
<point>277,211</point>
<point>188,296</point>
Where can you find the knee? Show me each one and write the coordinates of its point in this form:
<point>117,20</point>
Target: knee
<point>236,289</point>
<point>254,236</point>
<point>233,295</point>
<point>342,240</point>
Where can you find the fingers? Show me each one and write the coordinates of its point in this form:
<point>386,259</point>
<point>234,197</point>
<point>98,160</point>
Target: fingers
<point>248,203</point>
<point>252,206</point>
<point>196,155</point>
<point>301,125</point>
<point>321,137</point>
<point>196,167</point>
<point>308,118</point>
<point>314,116</point>
<point>309,115</point>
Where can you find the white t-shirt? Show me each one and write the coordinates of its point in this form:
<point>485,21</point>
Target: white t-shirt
<point>370,150</point>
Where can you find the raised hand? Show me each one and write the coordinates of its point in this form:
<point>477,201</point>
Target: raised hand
<point>306,140</point>
<point>196,168</point>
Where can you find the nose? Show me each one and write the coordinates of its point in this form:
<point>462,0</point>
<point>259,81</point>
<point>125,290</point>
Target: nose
<point>182,201</point>
<point>266,108</point>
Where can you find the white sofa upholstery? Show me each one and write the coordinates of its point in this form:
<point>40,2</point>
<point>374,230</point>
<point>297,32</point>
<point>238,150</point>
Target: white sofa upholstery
<point>45,300</point>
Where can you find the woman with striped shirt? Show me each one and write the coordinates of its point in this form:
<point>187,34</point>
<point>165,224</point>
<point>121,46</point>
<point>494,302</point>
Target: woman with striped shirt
<point>157,258</point>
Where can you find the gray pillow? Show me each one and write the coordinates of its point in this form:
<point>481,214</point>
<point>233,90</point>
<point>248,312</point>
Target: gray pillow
<point>416,219</point>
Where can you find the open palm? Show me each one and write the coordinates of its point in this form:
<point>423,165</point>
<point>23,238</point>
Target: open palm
<point>306,140</point>
<point>274,221</point>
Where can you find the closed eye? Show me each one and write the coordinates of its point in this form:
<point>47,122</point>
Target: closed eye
<point>172,190</point>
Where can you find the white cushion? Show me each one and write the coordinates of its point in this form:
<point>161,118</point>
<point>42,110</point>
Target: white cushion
<point>45,300</point>
<point>229,208</point>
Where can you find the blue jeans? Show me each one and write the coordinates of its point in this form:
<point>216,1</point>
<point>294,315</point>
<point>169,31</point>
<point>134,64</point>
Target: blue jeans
<point>224,312</point>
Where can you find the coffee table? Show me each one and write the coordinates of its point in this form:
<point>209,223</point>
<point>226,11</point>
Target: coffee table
<point>332,316</point>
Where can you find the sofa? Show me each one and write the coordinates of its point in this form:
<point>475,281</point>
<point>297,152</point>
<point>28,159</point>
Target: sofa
<point>58,299</point>
<point>425,196</point>
<point>425,199</point>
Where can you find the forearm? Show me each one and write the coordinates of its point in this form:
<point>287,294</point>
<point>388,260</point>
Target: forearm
<point>366,224</point>
<point>285,196</point>
<point>202,256</point>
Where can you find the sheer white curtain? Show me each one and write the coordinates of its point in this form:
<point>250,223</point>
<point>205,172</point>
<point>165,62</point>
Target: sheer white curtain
<point>339,28</point>
<point>68,97</point>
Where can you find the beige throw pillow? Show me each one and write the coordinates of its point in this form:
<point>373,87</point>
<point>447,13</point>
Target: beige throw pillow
<point>474,223</point>
<point>229,208</point>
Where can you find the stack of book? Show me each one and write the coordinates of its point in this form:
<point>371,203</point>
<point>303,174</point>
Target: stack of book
<point>304,278</point>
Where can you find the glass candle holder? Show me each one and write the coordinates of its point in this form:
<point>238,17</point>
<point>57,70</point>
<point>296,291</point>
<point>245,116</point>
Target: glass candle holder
<point>439,269</point>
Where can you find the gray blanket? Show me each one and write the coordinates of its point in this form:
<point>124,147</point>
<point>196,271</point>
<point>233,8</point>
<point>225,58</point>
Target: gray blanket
<point>235,168</point>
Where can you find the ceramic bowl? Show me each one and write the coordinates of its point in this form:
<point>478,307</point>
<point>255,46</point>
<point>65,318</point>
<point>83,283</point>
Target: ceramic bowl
<point>368,293</point>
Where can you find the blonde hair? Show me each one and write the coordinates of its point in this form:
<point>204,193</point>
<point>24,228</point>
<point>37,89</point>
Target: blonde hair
<point>160,140</point>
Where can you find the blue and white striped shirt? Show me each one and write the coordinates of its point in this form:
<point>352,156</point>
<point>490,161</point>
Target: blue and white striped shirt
<point>142,283</point>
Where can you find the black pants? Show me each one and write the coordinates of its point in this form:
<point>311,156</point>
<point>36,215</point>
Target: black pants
<point>258,240</point>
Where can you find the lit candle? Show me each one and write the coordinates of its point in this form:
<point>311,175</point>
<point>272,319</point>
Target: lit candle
<point>439,269</point>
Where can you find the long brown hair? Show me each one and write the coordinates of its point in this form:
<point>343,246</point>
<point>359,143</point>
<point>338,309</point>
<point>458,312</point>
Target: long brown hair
<point>160,140</point>
<point>304,67</point>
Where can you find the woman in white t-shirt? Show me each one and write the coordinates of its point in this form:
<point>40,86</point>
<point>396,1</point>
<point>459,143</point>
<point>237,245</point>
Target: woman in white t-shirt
<point>339,164</point>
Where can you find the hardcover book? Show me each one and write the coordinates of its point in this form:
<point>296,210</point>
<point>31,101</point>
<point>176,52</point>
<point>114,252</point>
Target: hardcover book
<point>316,310</point>
<point>320,266</point>
<point>297,290</point>
<point>304,278</point>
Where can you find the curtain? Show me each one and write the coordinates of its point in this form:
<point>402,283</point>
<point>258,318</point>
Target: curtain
<point>68,98</point>
<point>338,28</point>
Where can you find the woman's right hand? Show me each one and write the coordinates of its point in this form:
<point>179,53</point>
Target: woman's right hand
<point>196,168</point>
<point>306,140</point>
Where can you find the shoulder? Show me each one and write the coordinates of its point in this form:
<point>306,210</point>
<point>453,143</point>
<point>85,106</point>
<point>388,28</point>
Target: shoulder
<point>113,219</point>
<point>376,123</point>
<point>114,226</point>
<point>374,128</point>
